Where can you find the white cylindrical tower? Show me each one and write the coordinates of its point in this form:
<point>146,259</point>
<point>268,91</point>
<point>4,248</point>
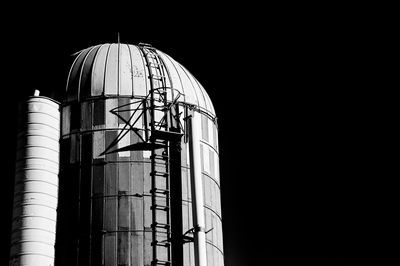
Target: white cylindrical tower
<point>36,183</point>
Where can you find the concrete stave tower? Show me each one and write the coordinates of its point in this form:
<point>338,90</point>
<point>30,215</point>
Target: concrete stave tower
<point>106,195</point>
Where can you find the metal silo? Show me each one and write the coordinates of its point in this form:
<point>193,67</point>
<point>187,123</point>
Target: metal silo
<point>139,176</point>
<point>36,183</point>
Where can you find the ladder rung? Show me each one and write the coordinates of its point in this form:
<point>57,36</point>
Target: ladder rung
<point>156,173</point>
<point>159,207</point>
<point>150,54</point>
<point>159,191</point>
<point>159,125</point>
<point>160,244</point>
<point>155,65</point>
<point>159,157</point>
<point>160,262</point>
<point>160,225</point>
<point>158,76</point>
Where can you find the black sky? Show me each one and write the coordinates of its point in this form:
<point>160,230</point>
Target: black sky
<point>279,96</point>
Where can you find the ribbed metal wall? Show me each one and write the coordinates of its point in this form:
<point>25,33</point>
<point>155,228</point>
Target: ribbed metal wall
<point>36,183</point>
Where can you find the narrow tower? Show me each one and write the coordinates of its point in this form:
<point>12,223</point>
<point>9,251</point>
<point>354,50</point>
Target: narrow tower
<point>36,183</point>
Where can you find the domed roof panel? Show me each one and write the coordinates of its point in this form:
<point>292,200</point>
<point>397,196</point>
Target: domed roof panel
<point>74,75</point>
<point>138,71</point>
<point>121,70</point>
<point>173,75</point>
<point>185,85</point>
<point>207,98</point>
<point>198,90</point>
<point>85,75</point>
<point>99,65</point>
<point>111,75</point>
<point>125,65</point>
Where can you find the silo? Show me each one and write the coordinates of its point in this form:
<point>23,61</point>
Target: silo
<point>127,162</point>
<point>36,183</point>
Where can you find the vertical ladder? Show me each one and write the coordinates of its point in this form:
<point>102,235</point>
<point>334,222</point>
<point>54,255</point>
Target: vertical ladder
<point>160,176</point>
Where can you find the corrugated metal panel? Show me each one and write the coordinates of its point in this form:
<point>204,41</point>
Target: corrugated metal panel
<point>123,142</point>
<point>138,72</point>
<point>211,162</point>
<point>86,114</point>
<point>124,177</point>
<point>146,177</point>
<point>216,256</point>
<point>206,159</point>
<point>221,259</point>
<point>98,144</point>
<point>66,120</point>
<point>75,148</point>
<point>110,214</point>
<point>186,255</point>
<point>123,212</point>
<point>202,157</point>
<point>210,255</point>
<point>185,186</point>
<point>98,113</point>
<point>75,116</point>
<point>204,127</point>
<point>191,253</point>
<point>217,169</point>
<point>110,258</point>
<point>211,132</point>
<point>123,249</point>
<point>125,114</point>
<point>147,249</point>
<point>220,239</point>
<point>146,211</point>
<point>137,213</point>
<point>214,232</point>
<point>184,157</point>
<point>207,190</point>
<point>135,155</point>
<point>85,200</point>
<point>208,220</point>
<point>215,136</point>
<point>189,190</point>
<point>185,217</point>
<point>110,136</point>
<point>98,71</point>
<point>137,248</point>
<point>217,197</point>
<point>111,119</point>
<point>98,178</point>
<point>138,175</point>
<point>136,116</point>
<point>111,178</point>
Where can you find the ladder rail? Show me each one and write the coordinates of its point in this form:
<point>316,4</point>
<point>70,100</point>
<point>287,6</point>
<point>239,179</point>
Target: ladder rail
<point>157,77</point>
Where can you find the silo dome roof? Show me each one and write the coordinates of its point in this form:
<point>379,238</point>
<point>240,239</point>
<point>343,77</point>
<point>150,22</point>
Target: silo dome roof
<point>120,70</point>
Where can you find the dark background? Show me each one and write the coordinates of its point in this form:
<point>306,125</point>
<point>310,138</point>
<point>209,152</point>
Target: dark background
<point>279,86</point>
